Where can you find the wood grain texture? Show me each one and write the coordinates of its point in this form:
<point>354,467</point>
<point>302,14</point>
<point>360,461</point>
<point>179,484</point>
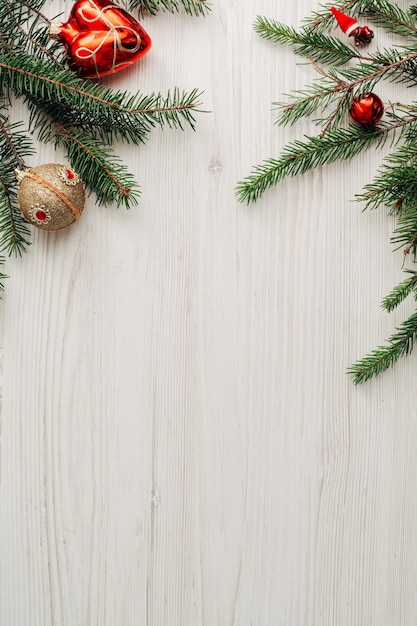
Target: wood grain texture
<point>180,445</point>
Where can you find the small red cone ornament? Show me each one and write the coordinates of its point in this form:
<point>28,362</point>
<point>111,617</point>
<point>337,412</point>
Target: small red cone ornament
<point>361,34</point>
<point>367,110</point>
<point>100,38</point>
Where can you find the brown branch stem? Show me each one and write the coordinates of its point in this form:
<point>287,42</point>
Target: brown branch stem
<point>358,81</point>
<point>123,191</point>
<point>9,142</point>
<point>81,92</point>
<point>334,114</point>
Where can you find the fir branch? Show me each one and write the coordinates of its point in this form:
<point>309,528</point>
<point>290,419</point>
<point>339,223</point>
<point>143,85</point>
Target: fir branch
<point>2,275</point>
<point>306,42</point>
<point>339,112</point>
<point>406,231</point>
<point>391,17</point>
<point>383,13</point>
<point>400,292</point>
<point>152,7</point>
<point>396,182</point>
<point>98,111</point>
<point>101,170</point>
<point>14,147</point>
<point>133,127</point>
<point>303,103</point>
<point>36,7</point>
<point>173,110</point>
<point>298,157</point>
<point>84,117</point>
<point>116,111</point>
<point>34,36</point>
<point>26,75</point>
<point>363,77</point>
<point>23,26</point>
<point>321,20</point>
<point>400,64</point>
<point>412,245</point>
<point>14,230</point>
<point>400,344</point>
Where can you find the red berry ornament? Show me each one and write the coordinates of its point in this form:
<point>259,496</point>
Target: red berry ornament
<point>367,110</point>
<point>101,38</point>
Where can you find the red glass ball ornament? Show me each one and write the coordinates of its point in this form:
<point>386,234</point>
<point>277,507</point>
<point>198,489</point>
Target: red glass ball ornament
<point>367,110</point>
<point>101,38</point>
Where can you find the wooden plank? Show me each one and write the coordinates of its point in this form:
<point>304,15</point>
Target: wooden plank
<point>180,445</point>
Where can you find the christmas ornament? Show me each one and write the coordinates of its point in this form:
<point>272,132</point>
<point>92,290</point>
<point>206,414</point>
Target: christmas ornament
<point>361,34</point>
<point>100,38</point>
<point>51,196</point>
<point>367,110</point>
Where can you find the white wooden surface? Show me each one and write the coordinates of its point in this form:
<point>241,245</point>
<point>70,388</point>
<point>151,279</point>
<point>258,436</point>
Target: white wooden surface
<point>180,445</point>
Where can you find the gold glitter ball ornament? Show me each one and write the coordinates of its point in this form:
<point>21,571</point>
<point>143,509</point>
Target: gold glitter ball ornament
<point>50,196</point>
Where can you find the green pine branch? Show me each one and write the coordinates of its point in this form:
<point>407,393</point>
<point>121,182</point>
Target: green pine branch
<point>127,118</point>
<point>360,79</point>
<point>391,17</point>
<point>14,148</point>
<point>99,167</point>
<point>319,96</point>
<point>152,7</point>
<point>15,233</point>
<point>300,156</point>
<point>395,184</point>
<point>324,19</point>
<point>135,115</point>
<point>2,275</point>
<point>384,14</point>
<point>400,292</point>
<point>306,42</point>
<point>24,27</point>
<point>400,344</point>
<point>405,233</point>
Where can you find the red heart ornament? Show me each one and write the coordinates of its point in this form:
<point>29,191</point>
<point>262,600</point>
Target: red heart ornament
<point>101,38</point>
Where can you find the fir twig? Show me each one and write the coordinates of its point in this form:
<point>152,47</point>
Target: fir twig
<point>399,344</point>
<point>99,167</point>
<point>121,111</point>
<point>400,292</point>
<point>192,7</point>
<point>298,157</point>
<point>391,17</point>
<point>396,183</point>
<point>323,19</point>
<point>2,275</point>
<point>14,147</point>
<point>306,42</point>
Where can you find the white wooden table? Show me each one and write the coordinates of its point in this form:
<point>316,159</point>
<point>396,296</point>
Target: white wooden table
<point>180,444</point>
